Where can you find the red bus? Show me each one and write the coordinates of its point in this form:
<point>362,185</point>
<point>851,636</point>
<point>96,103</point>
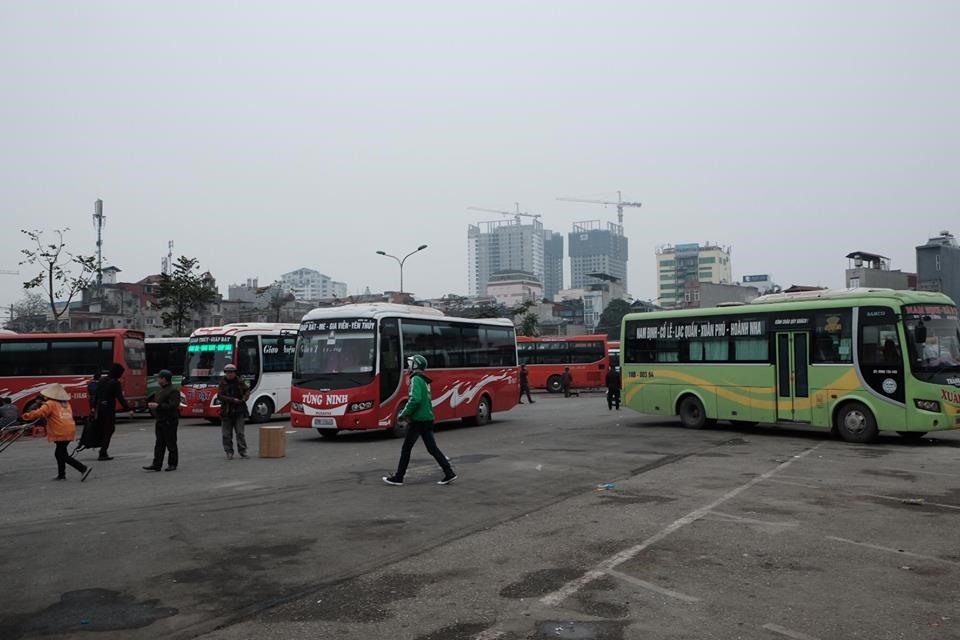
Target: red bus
<point>30,361</point>
<point>546,358</point>
<point>349,366</point>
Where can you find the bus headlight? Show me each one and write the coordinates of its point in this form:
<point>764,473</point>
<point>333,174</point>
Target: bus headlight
<point>297,406</point>
<point>215,402</point>
<point>360,406</point>
<point>928,405</point>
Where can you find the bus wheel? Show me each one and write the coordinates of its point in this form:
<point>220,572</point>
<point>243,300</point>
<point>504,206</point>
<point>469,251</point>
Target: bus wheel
<point>554,385</point>
<point>855,423</point>
<point>483,413</point>
<point>328,434</point>
<point>912,436</point>
<point>262,410</point>
<point>692,413</point>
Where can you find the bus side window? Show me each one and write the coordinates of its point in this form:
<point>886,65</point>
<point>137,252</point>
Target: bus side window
<point>881,345</point>
<point>248,359</point>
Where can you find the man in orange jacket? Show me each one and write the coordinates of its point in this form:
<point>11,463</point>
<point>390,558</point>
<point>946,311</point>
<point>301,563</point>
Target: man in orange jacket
<point>61,429</point>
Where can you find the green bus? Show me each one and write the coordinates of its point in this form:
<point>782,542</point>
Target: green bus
<point>165,353</point>
<point>857,362</point>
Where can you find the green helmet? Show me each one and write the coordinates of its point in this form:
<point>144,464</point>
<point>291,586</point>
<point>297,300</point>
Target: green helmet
<point>417,362</point>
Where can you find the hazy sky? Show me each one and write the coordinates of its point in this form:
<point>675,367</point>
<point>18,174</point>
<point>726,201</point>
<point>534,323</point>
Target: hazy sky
<point>263,137</point>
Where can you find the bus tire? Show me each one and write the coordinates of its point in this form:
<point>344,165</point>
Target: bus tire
<point>554,384</point>
<point>328,434</point>
<point>484,413</point>
<point>691,411</point>
<point>912,436</point>
<point>856,423</point>
<point>262,410</point>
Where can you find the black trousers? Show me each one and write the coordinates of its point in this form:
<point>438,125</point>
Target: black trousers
<point>525,389</point>
<point>166,432</point>
<point>64,459</point>
<point>420,430</point>
<point>613,398</point>
<point>108,424</point>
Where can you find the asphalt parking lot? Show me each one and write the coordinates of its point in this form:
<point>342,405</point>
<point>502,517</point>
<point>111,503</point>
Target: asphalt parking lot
<point>567,521</point>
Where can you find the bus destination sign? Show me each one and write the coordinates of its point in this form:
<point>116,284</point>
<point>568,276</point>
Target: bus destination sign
<point>347,324</point>
<point>737,328</point>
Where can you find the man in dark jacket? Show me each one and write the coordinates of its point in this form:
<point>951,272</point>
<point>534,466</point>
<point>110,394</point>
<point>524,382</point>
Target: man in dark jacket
<point>92,391</point>
<point>109,393</point>
<point>566,382</point>
<point>233,393</point>
<point>613,389</point>
<point>525,384</point>
<point>166,409</point>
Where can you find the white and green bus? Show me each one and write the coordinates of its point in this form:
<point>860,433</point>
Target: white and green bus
<point>858,362</point>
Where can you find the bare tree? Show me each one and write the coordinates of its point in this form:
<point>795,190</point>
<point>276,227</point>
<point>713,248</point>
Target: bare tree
<point>62,274</point>
<point>28,314</point>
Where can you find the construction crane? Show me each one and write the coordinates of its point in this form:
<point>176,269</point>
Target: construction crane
<point>620,204</point>
<point>516,214</point>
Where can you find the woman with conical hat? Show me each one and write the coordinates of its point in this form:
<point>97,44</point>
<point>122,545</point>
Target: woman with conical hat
<point>61,429</point>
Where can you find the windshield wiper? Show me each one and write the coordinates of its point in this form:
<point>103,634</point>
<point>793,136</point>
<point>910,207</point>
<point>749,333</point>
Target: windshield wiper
<point>940,370</point>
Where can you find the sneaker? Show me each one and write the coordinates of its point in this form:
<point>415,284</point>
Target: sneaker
<point>169,468</point>
<point>60,478</point>
<point>393,480</point>
<point>103,458</point>
<point>86,473</point>
<point>448,478</point>
<point>243,454</point>
<point>229,455</point>
<point>151,468</point>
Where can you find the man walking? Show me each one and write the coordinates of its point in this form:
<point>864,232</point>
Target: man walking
<point>418,412</point>
<point>233,394</point>
<point>613,389</point>
<point>166,410</point>
<point>566,381</point>
<point>109,393</point>
<point>525,384</point>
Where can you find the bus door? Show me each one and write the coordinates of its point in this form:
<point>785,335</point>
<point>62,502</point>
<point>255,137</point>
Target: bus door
<point>793,384</point>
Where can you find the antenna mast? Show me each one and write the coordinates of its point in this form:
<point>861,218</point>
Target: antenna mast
<point>98,223</point>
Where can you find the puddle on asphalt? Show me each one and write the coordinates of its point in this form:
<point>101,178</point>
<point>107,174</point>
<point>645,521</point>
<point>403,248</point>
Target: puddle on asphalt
<point>87,610</point>
<point>580,630</point>
<point>461,631</point>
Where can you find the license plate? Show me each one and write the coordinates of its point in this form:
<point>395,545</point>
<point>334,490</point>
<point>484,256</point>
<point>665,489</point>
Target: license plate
<point>325,422</point>
<point>198,411</point>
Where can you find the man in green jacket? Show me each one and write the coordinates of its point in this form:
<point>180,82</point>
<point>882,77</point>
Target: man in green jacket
<point>418,414</point>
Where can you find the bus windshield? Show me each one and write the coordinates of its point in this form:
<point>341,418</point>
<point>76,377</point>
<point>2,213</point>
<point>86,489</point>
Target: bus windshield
<point>941,349</point>
<point>206,358</point>
<point>335,354</point>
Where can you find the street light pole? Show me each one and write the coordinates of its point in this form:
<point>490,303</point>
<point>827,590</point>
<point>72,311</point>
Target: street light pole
<point>401,261</point>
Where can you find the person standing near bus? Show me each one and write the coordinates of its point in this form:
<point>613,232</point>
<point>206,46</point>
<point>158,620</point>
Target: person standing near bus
<point>61,429</point>
<point>109,393</point>
<point>525,384</point>
<point>613,389</point>
<point>566,381</point>
<point>418,413</point>
<point>233,393</point>
<point>166,410</point>
<point>92,391</point>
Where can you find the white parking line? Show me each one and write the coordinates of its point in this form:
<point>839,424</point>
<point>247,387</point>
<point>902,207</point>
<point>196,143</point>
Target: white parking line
<point>567,590</point>
<point>766,523</point>
<point>796,635</point>
<point>878,547</point>
<point>649,586</point>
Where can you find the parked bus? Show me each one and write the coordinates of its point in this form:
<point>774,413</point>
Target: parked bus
<point>30,361</point>
<point>613,351</point>
<point>857,361</point>
<point>263,355</point>
<point>546,358</point>
<point>350,361</point>
<point>165,353</point>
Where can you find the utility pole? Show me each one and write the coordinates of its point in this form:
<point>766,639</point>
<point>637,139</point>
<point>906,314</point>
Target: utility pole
<point>166,264</point>
<point>98,223</point>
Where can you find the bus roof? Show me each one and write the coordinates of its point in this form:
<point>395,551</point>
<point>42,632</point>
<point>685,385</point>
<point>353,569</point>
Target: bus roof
<point>804,300</point>
<point>245,327</point>
<point>100,333</point>
<point>593,337</point>
<point>377,310</point>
